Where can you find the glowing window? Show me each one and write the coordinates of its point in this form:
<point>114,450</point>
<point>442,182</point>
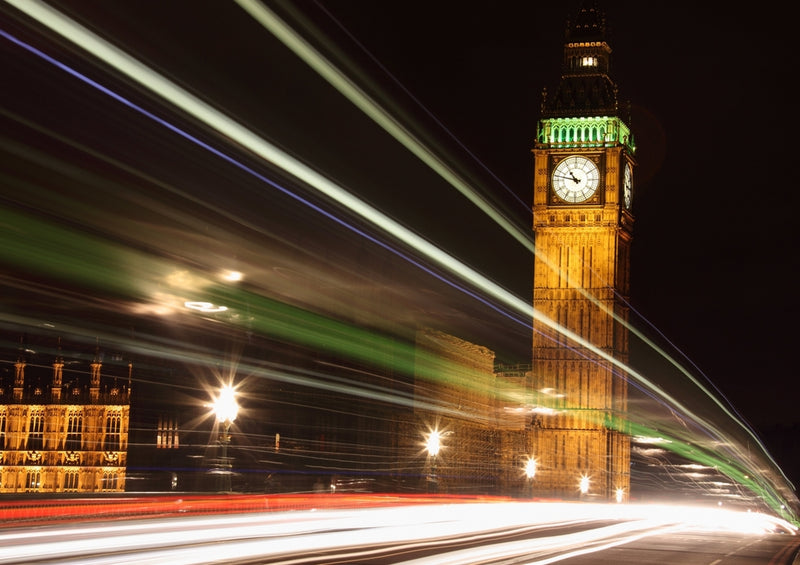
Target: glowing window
<point>109,481</point>
<point>589,62</point>
<point>74,431</point>
<point>71,481</point>
<point>36,430</point>
<point>112,440</point>
<point>33,480</point>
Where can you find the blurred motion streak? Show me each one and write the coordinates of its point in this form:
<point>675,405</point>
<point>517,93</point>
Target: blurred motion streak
<point>89,262</point>
<point>366,525</point>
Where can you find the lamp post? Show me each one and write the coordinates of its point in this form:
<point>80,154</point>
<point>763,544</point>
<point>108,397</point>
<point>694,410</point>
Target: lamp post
<point>226,409</point>
<point>433,444</point>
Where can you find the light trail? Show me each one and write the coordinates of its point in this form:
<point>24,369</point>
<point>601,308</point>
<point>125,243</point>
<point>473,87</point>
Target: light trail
<point>221,123</point>
<point>357,96</point>
<point>382,117</point>
<point>422,106</point>
<point>258,146</point>
<point>271,318</point>
<point>352,92</point>
<point>294,537</point>
<point>218,121</point>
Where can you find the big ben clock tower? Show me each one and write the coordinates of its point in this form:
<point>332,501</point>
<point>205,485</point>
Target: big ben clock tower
<point>583,225</point>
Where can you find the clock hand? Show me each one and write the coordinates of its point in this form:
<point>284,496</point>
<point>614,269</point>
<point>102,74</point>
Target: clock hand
<point>573,177</point>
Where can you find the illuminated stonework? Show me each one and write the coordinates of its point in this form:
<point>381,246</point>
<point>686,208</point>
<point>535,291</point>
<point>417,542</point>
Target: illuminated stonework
<point>578,431</point>
<point>454,396</point>
<point>68,437</point>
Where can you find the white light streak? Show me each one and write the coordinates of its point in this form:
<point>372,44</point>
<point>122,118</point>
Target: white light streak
<point>290,536</point>
<point>206,307</point>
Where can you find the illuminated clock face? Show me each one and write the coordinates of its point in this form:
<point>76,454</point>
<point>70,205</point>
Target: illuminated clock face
<point>627,186</point>
<point>575,179</point>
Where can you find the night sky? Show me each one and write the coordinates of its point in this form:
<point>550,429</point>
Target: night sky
<point>713,258</point>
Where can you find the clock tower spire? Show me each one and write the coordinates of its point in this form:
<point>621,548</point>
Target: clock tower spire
<point>586,89</point>
<point>583,227</point>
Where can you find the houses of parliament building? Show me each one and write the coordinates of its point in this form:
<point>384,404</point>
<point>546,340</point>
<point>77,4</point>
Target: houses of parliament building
<point>63,427</point>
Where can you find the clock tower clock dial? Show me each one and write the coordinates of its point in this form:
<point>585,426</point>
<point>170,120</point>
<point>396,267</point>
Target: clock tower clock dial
<point>575,179</point>
<point>627,186</point>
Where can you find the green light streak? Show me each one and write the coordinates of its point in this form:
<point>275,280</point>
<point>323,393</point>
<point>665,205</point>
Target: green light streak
<point>56,253</point>
<point>707,457</point>
<point>59,254</point>
<point>92,263</point>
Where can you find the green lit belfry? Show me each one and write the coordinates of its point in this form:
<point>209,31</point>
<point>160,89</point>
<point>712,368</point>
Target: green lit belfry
<point>583,224</point>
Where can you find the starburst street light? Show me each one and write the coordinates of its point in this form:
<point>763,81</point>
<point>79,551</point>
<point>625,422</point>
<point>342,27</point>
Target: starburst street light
<point>584,485</point>
<point>226,409</point>
<point>433,444</point>
<point>530,468</point>
<point>530,472</point>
